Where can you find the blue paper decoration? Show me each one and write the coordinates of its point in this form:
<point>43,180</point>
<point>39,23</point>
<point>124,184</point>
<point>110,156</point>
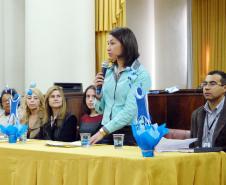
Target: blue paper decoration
<point>32,84</point>
<point>146,134</point>
<point>14,129</point>
<point>29,92</point>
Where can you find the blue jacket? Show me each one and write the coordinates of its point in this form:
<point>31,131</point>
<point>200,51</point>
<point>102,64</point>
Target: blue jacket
<point>118,104</point>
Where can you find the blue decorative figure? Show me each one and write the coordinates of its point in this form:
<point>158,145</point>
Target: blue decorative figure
<point>29,91</point>
<point>14,129</point>
<point>32,84</point>
<point>146,134</point>
<point>14,103</point>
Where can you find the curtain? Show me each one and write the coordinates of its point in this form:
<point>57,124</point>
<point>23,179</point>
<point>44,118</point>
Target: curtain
<point>108,14</point>
<point>208,37</point>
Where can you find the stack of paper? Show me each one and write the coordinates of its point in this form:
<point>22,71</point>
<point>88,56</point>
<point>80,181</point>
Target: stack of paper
<point>174,145</point>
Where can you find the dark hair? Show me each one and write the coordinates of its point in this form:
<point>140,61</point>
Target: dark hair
<point>129,43</point>
<point>84,106</point>
<point>220,73</point>
<point>10,91</point>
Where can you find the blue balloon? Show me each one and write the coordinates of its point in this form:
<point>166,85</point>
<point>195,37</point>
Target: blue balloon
<point>32,85</point>
<point>29,92</point>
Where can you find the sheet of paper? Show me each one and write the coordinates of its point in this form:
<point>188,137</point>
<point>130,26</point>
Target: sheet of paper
<point>175,145</point>
<point>63,144</point>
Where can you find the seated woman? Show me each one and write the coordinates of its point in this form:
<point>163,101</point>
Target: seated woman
<point>6,94</point>
<point>91,121</point>
<point>33,112</point>
<point>59,125</point>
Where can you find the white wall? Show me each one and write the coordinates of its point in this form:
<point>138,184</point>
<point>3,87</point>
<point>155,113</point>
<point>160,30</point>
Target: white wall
<point>12,43</point>
<point>171,43</point>
<point>2,79</point>
<point>60,42</point>
<point>57,37</point>
<point>140,18</point>
<point>161,30</point>
<point>46,41</point>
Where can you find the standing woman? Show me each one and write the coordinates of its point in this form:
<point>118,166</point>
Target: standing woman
<point>59,125</point>
<point>90,122</point>
<point>117,101</point>
<point>33,112</point>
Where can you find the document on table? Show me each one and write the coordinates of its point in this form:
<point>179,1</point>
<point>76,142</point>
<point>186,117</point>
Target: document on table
<point>175,145</point>
<point>63,144</point>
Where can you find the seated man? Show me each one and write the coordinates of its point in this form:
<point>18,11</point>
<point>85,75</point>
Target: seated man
<point>209,121</point>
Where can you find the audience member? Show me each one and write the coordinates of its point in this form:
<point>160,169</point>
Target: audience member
<point>33,112</point>
<point>59,125</point>
<point>6,94</point>
<point>90,122</point>
<point>117,100</point>
<point>209,121</point>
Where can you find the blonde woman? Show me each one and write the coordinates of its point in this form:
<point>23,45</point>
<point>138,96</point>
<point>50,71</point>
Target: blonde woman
<point>33,112</point>
<point>59,125</point>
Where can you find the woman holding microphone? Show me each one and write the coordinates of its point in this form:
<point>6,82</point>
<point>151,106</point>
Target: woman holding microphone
<point>117,100</point>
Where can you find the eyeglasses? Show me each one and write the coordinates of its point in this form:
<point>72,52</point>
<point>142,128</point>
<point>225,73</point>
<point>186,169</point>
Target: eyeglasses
<point>210,84</point>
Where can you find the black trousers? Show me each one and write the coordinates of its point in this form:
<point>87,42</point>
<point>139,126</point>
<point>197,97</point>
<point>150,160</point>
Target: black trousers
<point>128,137</point>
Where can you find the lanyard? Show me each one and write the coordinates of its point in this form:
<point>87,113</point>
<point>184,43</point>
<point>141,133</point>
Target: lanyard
<point>211,125</point>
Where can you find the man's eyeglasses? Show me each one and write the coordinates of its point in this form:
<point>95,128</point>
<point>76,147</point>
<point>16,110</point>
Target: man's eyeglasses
<point>210,84</point>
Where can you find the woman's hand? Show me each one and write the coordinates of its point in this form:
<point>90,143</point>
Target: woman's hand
<point>96,137</point>
<point>99,80</point>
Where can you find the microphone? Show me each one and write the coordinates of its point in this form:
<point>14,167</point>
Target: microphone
<point>104,69</point>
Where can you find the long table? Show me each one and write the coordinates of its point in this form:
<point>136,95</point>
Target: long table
<point>34,163</point>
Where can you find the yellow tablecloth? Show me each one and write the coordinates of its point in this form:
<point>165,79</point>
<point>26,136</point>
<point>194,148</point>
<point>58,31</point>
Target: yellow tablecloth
<point>34,163</point>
